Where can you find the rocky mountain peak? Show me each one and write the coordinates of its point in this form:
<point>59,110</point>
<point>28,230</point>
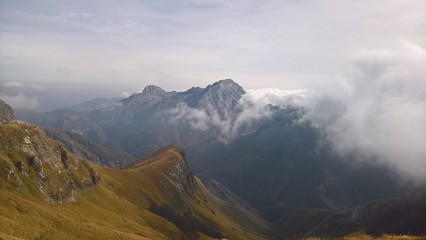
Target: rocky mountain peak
<point>150,93</point>
<point>228,83</point>
<point>170,160</point>
<point>152,90</point>
<point>222,96</point>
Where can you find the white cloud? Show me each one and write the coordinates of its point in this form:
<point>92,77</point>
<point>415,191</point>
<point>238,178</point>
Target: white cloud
<point>22,86</point>
<point>253,106</point>
<point>179,44</point>
<point>379,111</point>
<point>12,85</point>
<point>124,94</point>
<point>273,96</point>
<point>20,101</point>
<point>376,111</point>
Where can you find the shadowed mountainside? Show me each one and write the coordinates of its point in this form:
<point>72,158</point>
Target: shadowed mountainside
<point>46,192</point>
<point>85,148</point>
<point>278,164</point>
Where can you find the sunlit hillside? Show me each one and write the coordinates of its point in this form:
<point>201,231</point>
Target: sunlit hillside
<point>58,197</point>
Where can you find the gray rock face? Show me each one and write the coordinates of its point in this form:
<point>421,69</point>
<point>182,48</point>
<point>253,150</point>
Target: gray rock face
<point>182,177</point>
<point>149,95</point>
<point>37,165</point>
<point>221,96</point>
<point>31,161</point>
<point>6,113</point>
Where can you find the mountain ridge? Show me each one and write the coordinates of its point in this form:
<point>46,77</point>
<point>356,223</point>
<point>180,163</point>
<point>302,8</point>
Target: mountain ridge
<point>156,198</point>
<point>278,163</point>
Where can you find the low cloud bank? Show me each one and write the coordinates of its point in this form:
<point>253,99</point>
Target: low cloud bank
<point>253,107</point>
<point>20,101</point>
<point>378,111</point>
<point>18,94</point>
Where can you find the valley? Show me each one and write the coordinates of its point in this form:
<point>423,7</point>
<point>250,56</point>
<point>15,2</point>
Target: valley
<point>158,197</point>
<point>269,173</point>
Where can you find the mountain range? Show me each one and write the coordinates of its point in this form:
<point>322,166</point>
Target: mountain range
<point>46,192</point>
<point>259,160</point>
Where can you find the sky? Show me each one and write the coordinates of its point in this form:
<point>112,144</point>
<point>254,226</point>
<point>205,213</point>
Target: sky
<point>361,64</point>
<point>56,53</point>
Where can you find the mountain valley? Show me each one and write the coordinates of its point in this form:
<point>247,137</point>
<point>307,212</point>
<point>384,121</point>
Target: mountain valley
<point>48,193</point>
<point>268,177</point>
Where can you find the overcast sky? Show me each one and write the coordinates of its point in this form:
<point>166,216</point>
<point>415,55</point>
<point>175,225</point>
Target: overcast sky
<point>115,47</point>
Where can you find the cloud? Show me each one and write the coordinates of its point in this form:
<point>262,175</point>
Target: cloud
<point>254,106</point>
<point>203,120</point>
<point>22,86</point>
<point>21,95</point>
<point>20,101</point>
<point>375,111</point>
<point>124,94</point>
<point>177,44</point>
<point>378,110</point>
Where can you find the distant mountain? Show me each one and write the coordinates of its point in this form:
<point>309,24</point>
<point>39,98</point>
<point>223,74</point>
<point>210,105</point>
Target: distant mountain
<point>146,120</point>
<point>222,96</point>
<point>91,104</point>
<point>284,163</point>
<point>275,164</point>
<point>395,216</point>
<point>48,193</point>
<point>273,160</point>
<point>85,148</point>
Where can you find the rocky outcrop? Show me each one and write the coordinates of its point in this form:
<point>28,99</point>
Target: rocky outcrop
<point>171,161</point>
<point>6,113</point>
<point>182,176</point>
<point>30,161</point>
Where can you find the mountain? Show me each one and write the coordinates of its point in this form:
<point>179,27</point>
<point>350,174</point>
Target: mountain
<point>48,193</point>
<point>275,165</point>
<point>222,96</point>
<point>150,119</point>
<point>283,162</point>
<point>6,113</point>
<point>394,216</point>
<point>83,147</point>
<point>91,104</point>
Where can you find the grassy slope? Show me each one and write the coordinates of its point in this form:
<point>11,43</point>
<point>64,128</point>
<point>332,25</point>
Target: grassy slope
<point>141,202</point>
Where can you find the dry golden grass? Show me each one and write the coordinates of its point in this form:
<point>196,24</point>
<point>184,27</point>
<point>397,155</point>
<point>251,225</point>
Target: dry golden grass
<point>383,237</point>
<point>117,207</point>
<point>363,236</point>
